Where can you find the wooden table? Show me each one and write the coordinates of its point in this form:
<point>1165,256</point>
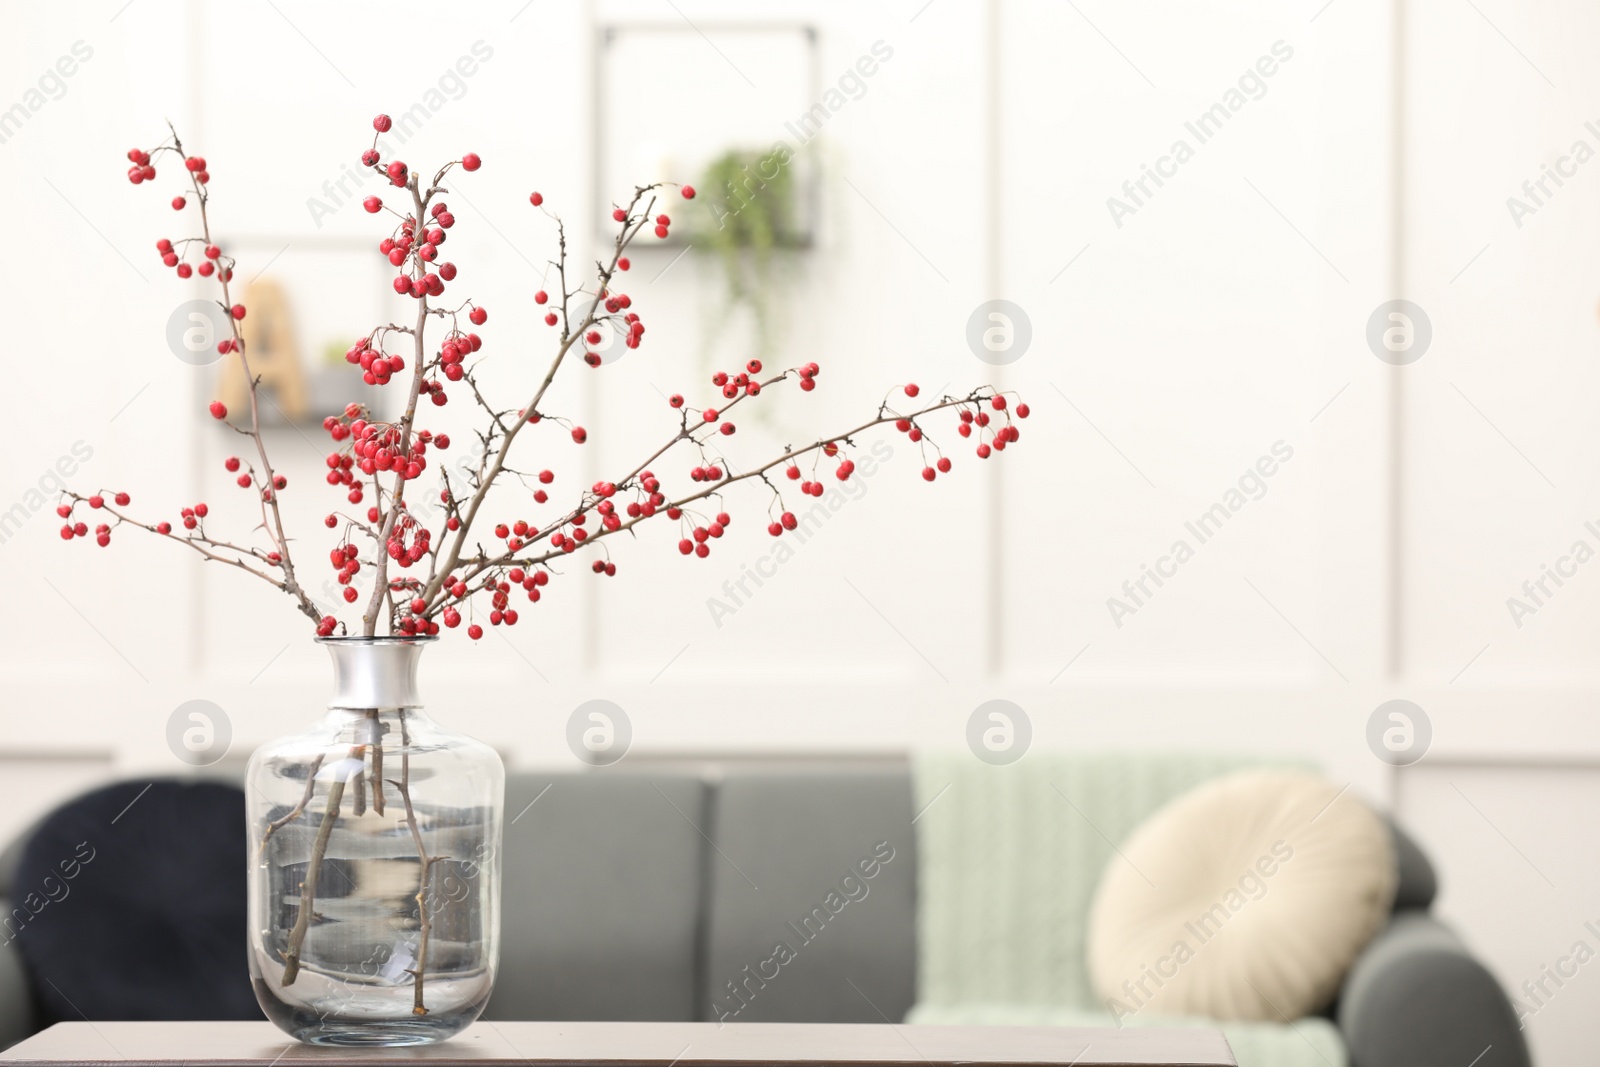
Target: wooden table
<point>260,1044</point>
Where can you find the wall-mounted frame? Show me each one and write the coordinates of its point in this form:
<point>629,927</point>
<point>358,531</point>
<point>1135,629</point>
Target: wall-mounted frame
<point>656,83</point>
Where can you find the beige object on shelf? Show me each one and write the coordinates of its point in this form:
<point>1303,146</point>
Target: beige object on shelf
<point>274,353</point>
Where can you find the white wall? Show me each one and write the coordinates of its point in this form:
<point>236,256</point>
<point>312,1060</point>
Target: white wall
<point>1226,314</point>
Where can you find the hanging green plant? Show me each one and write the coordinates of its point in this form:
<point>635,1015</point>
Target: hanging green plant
<point>751,216</point>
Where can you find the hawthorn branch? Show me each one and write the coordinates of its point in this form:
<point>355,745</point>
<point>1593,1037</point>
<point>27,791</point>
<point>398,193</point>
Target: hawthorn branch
<point>223,272</point>
<point>630,229</point>
<point>485,562</point>
<point>380,586</point>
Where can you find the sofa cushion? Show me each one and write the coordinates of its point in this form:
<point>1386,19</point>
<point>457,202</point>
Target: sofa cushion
<point>1247,898</point>
<point>1305,1043</point>
<point>129,903</point>
<point>811,889</point>
<point>601,899</point>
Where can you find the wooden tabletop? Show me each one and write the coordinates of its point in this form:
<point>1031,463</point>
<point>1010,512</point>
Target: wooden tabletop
<point>260,1044</point>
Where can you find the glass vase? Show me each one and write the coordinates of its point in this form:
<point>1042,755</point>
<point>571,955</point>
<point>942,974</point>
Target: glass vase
<point>374,880</point>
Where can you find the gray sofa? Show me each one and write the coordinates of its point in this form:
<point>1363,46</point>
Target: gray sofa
<point>764,896</point>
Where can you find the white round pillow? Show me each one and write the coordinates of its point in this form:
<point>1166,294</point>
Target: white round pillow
<point>1245,898</point>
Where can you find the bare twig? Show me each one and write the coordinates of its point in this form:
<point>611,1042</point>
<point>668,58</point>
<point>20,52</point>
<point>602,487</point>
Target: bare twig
<point>424,917</point>
<point>308,887</point>
<point>296,811</point>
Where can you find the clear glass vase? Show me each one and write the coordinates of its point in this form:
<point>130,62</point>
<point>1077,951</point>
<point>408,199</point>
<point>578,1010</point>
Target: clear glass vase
<point>374,863</point>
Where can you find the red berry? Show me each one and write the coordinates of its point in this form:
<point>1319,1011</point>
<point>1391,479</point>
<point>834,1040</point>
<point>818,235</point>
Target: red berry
<point>470,161</point>
<point>661,231</point>
<point>1022,411</point>
<point>943,464</point>
<point>551,319</point>
<point>619,215</point>
<point>541,297</point>
<point>372,204</point>
<point>911,389</point>
<point>219,410</point>
<point>177,203</point>
<point>237,311</point>
<point>478,316</point>
<point>579,434</point>
<point>382,123</point>
<point>535,199</point>
<point>688,192</point>
<point>474,631</point>
<point>928,474</point>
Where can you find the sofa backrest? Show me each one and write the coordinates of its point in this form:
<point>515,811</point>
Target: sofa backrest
<point>811,898</point>
<point>601,897</point>
<point>665,897</point>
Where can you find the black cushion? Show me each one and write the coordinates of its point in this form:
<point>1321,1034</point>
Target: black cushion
<point>129,903</point>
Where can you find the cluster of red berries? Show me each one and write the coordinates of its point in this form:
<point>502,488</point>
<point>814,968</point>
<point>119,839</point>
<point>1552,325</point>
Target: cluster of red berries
<point>979,422</point>
<point>102,532</point>
<point>663,221</point>
<point>740,383</point>
<point>807,486</point>
<point>405,245</point>
<point>376,447</point>
<point>698,543</point>
<point>409,541</point>
<point>452,353</point>
<point>141,171</point>
<point>171,257</point>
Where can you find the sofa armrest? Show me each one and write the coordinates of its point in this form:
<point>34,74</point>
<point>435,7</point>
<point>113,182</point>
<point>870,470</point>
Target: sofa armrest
<point>1416,997</point>
<point>16,1001</point>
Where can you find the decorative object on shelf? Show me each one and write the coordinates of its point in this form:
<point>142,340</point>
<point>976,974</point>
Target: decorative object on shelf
<point>269,336</point>
<point>373,895</point>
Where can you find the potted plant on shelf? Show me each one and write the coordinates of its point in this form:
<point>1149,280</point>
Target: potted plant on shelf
<point>751,219</point>
<point>375,886</point>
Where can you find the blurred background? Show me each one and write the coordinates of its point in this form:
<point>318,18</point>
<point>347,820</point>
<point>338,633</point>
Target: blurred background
<point>1307,288</point>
